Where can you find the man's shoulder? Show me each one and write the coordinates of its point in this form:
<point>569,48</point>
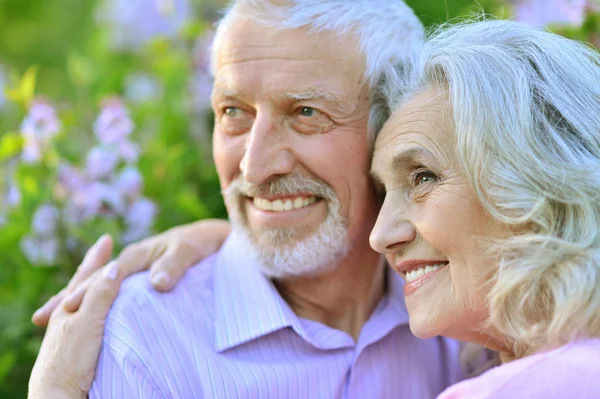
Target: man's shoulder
<point>158,336</point>
<point>137,289</point>
<point>139,308</point>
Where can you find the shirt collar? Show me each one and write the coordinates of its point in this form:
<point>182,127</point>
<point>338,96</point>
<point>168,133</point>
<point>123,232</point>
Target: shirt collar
<point>247,304</point>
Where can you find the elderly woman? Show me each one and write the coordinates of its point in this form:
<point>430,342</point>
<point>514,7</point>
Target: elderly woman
<point>491,173</point>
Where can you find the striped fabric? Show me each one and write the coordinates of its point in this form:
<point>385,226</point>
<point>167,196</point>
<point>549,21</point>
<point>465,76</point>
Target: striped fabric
<point>225,332</point>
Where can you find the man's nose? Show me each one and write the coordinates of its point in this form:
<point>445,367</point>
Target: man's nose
<point>268,152</point>
<point>392,231</point>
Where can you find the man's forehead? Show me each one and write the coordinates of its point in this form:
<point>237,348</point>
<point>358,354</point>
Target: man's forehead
<point>245,42</point>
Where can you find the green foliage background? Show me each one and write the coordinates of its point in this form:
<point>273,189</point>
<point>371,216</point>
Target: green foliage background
<point>76,70</point>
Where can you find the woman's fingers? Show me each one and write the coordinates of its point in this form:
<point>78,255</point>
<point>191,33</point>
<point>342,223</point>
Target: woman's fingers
<point>95,258</point>
<point>73,300</point>
<point>102,292</point>
<point>68,355</point>
<point>42,315</point>
<point>185,247</point>
<point>166,272</point>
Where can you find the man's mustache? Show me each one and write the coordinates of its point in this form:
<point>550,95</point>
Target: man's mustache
<point>281,186</point>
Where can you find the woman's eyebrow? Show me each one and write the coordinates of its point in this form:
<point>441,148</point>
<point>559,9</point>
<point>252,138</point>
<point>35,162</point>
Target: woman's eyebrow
<point>404,157</point>
<point>410,155</point>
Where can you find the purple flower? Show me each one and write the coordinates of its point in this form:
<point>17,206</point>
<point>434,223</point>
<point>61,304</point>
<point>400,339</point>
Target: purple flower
<point>129,182</point>
<point>70,178</point>
<point>84,204</point>
<point>101,162</point>
<point>141,213</point>
<point>142,88</point>
<point>129,151</point>
<point>38,128</point>
<point>45,220</point>
<point>41,122</point>
<point>133,23</point>
<point>113,125</point>
<point>551,12</point>
<point>32,150</point>
<point>139,220</point>
<point>97,199</point>
<point>13,196</point>
<point>40,251</point>
<point>114,200</point>
<point>11,199</point>
<point>202,82</point>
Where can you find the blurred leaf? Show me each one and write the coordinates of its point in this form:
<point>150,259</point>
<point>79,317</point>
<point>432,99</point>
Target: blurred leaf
<point>7,361</point>
<point>188,202</point>
<point>25,88</point>
<point>11,145</point>
<point>30,185</point>
<point>80,69</point>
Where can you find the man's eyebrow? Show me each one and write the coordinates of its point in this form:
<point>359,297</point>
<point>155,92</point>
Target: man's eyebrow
<point>311,94</point>
<point>225,92</point>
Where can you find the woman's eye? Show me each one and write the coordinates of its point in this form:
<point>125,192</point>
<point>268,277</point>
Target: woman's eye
<point>424,177</point>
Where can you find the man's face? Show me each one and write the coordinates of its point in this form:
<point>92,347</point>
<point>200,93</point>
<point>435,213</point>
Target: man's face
<point>291,146</point>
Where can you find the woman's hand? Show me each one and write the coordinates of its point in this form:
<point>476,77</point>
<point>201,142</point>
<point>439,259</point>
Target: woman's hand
<point>67,359</point>
<point>167,255</point>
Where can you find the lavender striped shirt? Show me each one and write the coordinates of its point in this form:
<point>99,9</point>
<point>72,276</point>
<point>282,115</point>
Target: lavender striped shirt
<point>225,332</point>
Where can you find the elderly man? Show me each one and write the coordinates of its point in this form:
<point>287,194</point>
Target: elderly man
<point>295,304</point>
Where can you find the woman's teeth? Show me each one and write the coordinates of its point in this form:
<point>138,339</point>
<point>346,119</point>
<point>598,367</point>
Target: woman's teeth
<point>420,272</point>
<point>283,205</point>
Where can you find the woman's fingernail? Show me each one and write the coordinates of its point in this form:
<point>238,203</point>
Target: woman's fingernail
<point>37,313</point>
<point>161,279</point>
<point>111,270</point>
<point>71,296</point>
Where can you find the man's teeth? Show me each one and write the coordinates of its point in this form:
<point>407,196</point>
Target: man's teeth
<point>420,272</point>
<point>283,205</point>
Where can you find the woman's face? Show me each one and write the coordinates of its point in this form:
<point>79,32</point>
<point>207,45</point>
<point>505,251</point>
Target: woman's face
<point>430,221</point>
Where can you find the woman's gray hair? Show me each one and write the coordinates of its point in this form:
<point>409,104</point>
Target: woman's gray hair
<point>388,34</point>
<point>526,110</point>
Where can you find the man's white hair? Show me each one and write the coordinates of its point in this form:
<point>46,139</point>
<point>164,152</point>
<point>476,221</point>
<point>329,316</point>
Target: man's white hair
<point>387,31</point>
<point>525,104</point>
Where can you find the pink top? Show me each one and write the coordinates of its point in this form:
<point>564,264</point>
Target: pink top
<point>572,371</point>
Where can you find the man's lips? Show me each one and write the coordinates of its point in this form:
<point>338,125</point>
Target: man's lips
<point>283,203</point>
<point>281,197</point>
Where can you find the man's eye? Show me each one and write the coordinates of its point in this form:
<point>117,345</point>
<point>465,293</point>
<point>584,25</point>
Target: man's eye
<point>307,111</point>
<point>232,111</point>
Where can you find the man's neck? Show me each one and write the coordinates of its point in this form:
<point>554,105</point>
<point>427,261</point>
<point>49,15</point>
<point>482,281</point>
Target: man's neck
<point>342,299</point>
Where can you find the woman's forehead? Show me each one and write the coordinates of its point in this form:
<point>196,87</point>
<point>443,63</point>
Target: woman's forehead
<point>424,113</point>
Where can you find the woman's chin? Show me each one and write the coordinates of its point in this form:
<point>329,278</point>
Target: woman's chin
<point>424,330</point>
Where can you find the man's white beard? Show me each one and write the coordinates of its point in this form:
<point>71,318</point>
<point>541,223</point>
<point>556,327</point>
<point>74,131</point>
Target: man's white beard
<point>279,251</point>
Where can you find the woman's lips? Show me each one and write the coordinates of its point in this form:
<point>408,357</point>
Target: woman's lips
<point>416,274</point>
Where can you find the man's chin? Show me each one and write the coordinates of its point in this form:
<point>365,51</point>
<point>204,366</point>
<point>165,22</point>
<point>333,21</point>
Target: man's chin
<point>279,238</point>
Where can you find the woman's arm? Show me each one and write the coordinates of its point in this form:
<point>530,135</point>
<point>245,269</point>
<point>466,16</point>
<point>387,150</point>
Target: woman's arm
<point>168,255</point>
<point>76,316</point>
